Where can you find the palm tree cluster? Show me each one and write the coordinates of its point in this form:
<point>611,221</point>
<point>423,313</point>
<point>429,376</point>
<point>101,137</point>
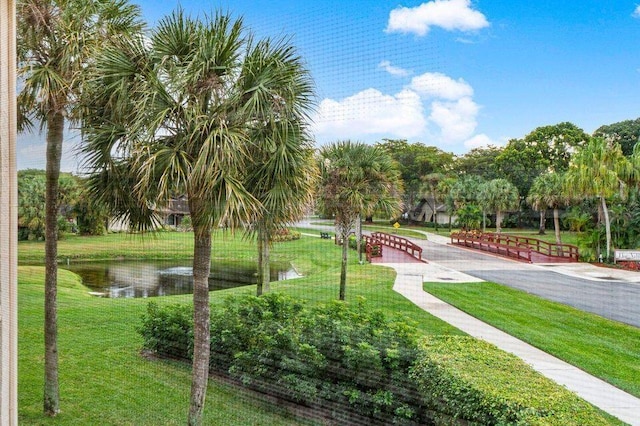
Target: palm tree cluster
<point>204,109</point>
<point>356,179</point>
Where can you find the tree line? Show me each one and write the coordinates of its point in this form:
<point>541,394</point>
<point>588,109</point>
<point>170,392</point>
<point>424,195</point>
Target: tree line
<point>595,178</point>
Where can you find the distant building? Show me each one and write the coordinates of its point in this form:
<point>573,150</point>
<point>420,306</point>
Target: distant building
<point>429,211</point>
<point>170,215</point>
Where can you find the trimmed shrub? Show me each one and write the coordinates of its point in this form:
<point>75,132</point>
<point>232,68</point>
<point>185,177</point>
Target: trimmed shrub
<point>364,368</point>
<point>285,235</point>
<point>471,380</point>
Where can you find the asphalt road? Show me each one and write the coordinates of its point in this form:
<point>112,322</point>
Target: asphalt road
<point>613,299</point>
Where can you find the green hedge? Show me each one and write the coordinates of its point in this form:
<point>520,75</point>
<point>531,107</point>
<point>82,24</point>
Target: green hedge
<point>363,367</point>
<point>465,378</point>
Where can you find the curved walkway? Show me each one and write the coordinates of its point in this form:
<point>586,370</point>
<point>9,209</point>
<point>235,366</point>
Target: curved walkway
<point>409,281</point>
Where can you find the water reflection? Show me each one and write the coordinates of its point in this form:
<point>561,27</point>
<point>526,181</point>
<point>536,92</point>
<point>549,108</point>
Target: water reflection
<point>162,278</point>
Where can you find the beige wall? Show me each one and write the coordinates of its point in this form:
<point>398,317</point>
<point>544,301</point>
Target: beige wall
<point>8,218</point>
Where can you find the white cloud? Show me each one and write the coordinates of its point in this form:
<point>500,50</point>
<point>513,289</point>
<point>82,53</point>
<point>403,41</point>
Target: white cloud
<point>636,12</point>
<point>371,112</point>
<point>393,70</point>
<point>456,119</point>
<point>437,85</point>
<point>447,14</point>
<point>479,141</point>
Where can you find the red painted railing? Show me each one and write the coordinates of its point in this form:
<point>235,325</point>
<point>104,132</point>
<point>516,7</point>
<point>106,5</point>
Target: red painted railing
<point>398,243</point>
<point>523,248</point>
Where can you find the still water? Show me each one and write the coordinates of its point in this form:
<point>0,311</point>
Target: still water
<point>164,278</point>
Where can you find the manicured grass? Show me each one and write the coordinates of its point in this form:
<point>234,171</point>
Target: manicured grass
<point>103,377</point>
<point>606,349</point>
<point>403,231</point>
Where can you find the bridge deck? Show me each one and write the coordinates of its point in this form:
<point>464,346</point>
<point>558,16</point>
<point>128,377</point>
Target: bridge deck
<point>393,255</point>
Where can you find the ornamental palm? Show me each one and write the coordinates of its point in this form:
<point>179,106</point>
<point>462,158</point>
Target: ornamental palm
<point>599,169</point>
<point>498,195</point>
<point>57,40</point>
<point>356,179</point>
<point>176,115</point>
<point>283,175</point>
<point>548,191</point>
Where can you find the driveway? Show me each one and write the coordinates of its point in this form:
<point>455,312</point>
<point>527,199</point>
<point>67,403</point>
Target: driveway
<point>602,291</point>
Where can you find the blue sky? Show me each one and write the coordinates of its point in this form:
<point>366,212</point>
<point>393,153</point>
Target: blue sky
<point>451,73</point>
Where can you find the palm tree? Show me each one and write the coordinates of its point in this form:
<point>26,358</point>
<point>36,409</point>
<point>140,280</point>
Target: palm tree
<point>283,180</point>
<point>57,40</point>
<point>179,113</point>
<point>599,169</point>
<point>548,191</point>
<point>498,195</point>
<point>356,179</point>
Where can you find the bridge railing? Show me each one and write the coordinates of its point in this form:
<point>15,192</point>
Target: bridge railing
<point>516,246</point>
<point>398,243</point>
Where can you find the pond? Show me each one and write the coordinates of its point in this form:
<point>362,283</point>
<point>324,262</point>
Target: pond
<point>163,278</point>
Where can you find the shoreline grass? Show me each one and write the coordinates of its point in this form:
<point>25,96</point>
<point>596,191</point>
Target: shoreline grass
<point>606,349</point>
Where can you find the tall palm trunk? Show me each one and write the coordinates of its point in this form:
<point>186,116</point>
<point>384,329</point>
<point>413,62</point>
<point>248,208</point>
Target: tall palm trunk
<point>264,271</point>
<point>607,225</point>
<point>201,319</point>
<point>498,221</point>
<point>55,133</point>
<point>359,238</point>
<point>543,219</point>
<point>556,225</point>
<point>343,266</point>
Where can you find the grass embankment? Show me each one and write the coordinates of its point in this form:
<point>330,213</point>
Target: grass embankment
<point>606,349</point>
<point>104,379</point>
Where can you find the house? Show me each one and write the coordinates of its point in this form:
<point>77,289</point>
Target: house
<point>170,215</point>
<point>428,210</point>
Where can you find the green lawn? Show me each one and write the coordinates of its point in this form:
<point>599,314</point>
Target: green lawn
<point>104,379</point>
<point>606,349</point>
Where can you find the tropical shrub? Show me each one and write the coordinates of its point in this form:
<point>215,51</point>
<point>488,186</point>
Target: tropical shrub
<point>285,234</point>
<point>363,367</point>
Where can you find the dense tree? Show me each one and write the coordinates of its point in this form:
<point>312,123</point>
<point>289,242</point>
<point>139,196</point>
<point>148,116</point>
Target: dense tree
<point>626,133</point>
<point>31,203</point>
<point>599,169</point>
<point>479,162</point>
<point>177,113</point>
<point>57,40</point>
<point>499,196</point>
<point>556,143</point>
<point>548,191</point>
<point>356,179</point>
<point>414,161</point>
<point>520,163</point>
<point>547,148</point>
<point>431,192</point>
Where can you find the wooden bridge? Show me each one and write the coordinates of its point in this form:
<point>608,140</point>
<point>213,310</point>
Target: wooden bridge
<point>375,242</point>
<point>531,250</point>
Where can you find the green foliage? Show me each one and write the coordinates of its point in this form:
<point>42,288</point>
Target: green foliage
<point>346,355</point>
<point>469,217</point>
<point>471,380</point>
<point>285,234</point>
<point>415,160</point>
<point>479,162</point>
<point>31,203</point>
<point>91,215</point>
<point>625,133</point>
<point>364,365</point>
<point>168,331</point>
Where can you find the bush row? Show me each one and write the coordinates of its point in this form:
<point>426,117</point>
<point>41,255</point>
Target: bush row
<point>285,235</point>
<point>364,367</point>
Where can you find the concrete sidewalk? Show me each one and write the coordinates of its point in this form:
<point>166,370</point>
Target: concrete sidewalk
<point>409,281</point>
